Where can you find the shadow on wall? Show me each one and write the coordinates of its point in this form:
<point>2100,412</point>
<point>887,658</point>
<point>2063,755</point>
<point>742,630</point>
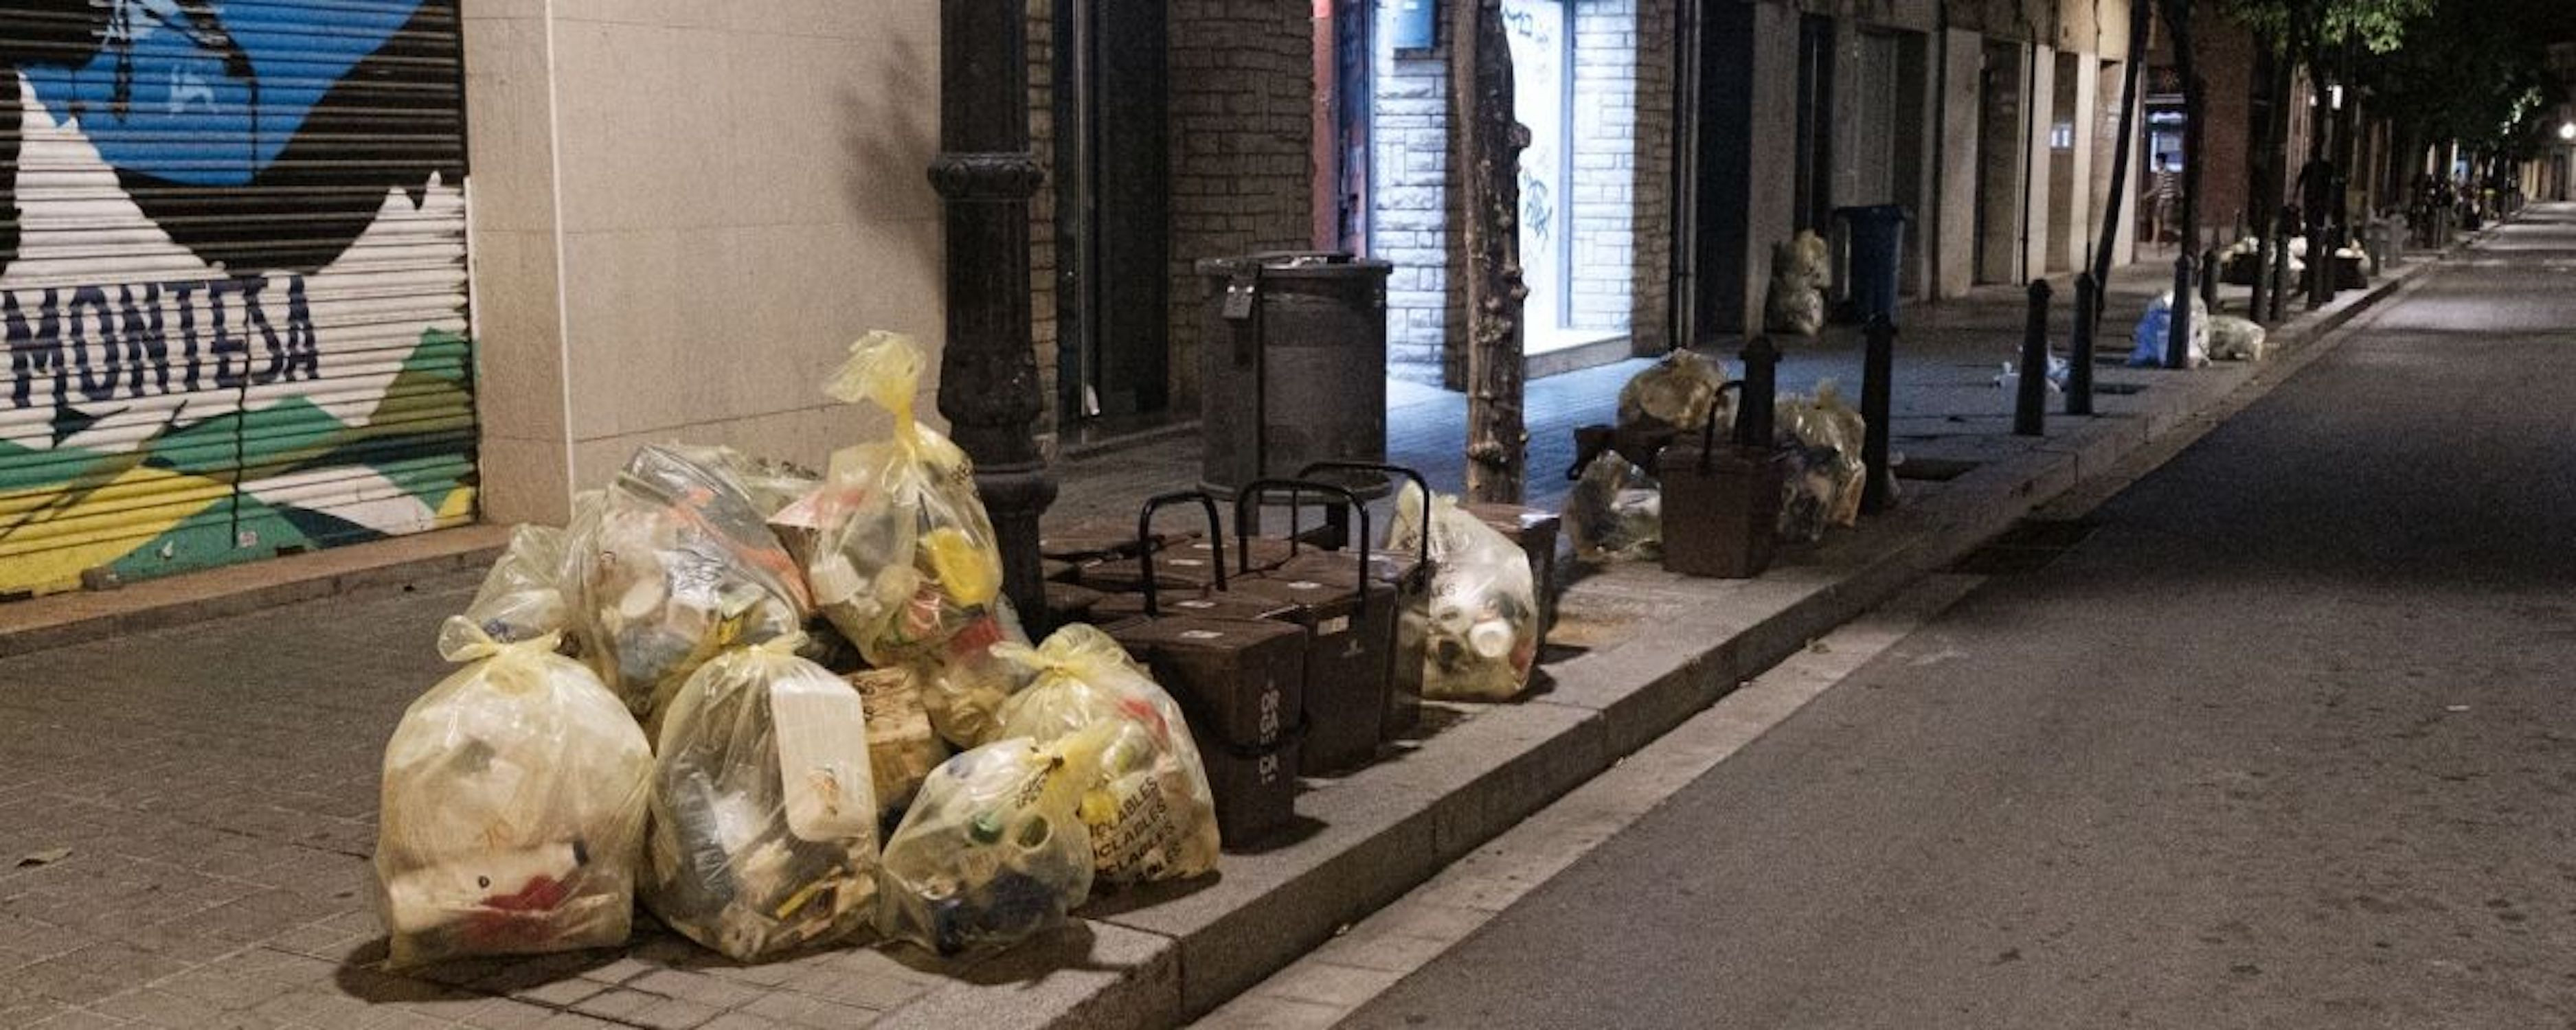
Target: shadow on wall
<point>890,147</point>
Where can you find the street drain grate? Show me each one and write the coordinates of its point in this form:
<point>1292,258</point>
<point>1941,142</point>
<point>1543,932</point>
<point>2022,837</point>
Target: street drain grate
<point>2027,547</point>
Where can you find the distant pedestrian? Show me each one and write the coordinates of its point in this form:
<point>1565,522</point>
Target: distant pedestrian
<point>2164,194</point>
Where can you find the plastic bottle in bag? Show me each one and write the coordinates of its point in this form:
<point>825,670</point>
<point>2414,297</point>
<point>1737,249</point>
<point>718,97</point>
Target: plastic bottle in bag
<point>904,556</point>
<point>1615,511</point>
<point>522,598</point>
<point>994,848</point>
<point>764,808</point>
<point>512,813</point>
<point>677,567</point>
<point>1148,808</point>
<point>1484,633</point>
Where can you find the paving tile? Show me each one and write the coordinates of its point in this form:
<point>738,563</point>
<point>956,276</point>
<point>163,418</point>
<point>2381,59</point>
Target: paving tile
<point>673,1014</point>
<point>615,1003</point>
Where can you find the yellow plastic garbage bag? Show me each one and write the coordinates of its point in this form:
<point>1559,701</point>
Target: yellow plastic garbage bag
<point>994,848</point>
<point>1824,435</point>
<point>1484,633</point>
<point>677,567</point>
<point>764,809</point>
<point>964,683</point>
<point>1149,809</point>
<point>904,557</point>
<point>512,813</point>
<point>902,748</point>
<point>1678,393</point>
<point>522,598</point>
<point>1615,511</point>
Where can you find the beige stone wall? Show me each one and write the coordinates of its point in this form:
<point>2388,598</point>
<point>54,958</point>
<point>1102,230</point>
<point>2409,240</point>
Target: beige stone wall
<point>681,214</point>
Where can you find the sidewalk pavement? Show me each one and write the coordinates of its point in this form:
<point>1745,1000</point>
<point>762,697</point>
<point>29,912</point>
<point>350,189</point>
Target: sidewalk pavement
<point>194,804</point>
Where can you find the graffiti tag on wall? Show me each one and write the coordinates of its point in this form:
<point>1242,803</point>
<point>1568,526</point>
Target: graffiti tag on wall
<point>232,280</point>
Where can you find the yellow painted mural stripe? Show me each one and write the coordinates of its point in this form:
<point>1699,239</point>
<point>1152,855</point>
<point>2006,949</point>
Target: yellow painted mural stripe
<point>50,551</point>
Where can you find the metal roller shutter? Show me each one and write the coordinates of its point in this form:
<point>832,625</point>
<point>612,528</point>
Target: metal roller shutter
<point>232,281</point>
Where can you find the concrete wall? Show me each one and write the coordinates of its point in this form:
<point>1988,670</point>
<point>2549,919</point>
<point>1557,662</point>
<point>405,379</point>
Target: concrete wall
<point>2038,107</point>
<point>681,215</point>
<point>1650,324</point>
<point>1604,124</point>
<point>1955,225</point>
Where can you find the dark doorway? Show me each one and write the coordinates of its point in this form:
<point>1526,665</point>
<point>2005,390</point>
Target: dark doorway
<point>1113,216</point>
<point>1815,129</point>
<point>1344,46</point>
<point>1718,111</point>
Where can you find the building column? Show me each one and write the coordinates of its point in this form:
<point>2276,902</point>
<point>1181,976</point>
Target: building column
<point>1954,220</point>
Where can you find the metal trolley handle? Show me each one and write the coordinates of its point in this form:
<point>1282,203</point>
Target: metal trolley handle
<point>1252,493</point>
<point>1145,539</point>
<point>1424,561</point>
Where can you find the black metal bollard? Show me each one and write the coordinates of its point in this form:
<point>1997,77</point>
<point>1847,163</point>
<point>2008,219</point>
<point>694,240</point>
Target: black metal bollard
<point>2178,329</point>
<point>2030,405</point>
<point>1877,372</point>
<point>2079,361</point>
<point>1753,423</point>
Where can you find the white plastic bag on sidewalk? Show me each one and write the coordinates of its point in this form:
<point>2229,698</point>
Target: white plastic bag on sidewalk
<point>994,848</point>
<point>2236,339</point>
<point>764,807</point>
<point>512,813</point>
<point>2156,327</point>
<point>1484,632</point>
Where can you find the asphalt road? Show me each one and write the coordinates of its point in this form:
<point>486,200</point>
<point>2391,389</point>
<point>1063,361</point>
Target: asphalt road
<point>2288,741</point>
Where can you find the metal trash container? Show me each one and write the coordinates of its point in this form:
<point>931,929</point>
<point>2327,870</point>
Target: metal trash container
<point>1877,257</point>
<point>1292,365</point>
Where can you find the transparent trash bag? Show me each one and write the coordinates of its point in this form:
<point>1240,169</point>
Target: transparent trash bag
<point>1484,632</point>
<point>2236,339</point>
<point>1149,810</point>
<point>764,808</point>
<point>512,813</point>
<point>994,848</point>
<point>1677,394</point>
<point>904,556</point>
<point>1798,273</point>
<point>1831,433</point>
<point>964,683</point>
<point>902,748</point>
<point>1615,511</point>
<point>521,599</point>
<point>677,567</point>
<point>2156,326</point>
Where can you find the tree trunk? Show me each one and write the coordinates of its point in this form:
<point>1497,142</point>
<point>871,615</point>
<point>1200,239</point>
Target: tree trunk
<point>1490,142</point>
<point>2178,333</point>
<point>2263,188</point>
<point>2140,15</point>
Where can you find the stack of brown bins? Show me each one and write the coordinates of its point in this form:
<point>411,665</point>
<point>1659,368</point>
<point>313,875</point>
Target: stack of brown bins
<point>1409,576</point>
<point>1349,618</point>
<point>1234,664</point>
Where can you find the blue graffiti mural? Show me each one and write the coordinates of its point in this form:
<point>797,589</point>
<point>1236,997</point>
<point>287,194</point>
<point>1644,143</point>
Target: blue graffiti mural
<point>209,93</point>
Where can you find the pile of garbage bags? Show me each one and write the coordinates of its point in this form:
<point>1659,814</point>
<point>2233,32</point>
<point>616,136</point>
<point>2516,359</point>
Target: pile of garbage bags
<point>1823,435</point>
<point>2156,327</point>
<point>727,681</point>
<point>1483,636</point>
<point>1615,511</point>
<point>1683,392</point>
<point>1799,270</point>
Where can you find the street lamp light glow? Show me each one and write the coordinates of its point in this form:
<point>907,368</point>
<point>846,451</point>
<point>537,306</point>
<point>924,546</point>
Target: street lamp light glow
<point>2567,131</point>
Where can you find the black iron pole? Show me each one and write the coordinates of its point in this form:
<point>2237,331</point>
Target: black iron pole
<point>2079,363</point>
<point>2030,405</point>
<point>1877,374</point>
<point>988,373</point>
<point>1753,425</point>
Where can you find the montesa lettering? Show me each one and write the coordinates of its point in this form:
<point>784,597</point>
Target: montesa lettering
<point>99,343</point>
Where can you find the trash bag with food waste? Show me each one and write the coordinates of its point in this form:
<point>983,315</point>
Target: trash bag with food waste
<point>1148,808</point>
<point>1677,394</point>
<point>904,557</point>
<point>902,748</point>
<point>764,808</point>
<point>994,848</point>
<point>1615,511</point>
<point>1833,431</point>
<point>1484,632</point>
<point>677,567</point>
<point>512,813</point>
